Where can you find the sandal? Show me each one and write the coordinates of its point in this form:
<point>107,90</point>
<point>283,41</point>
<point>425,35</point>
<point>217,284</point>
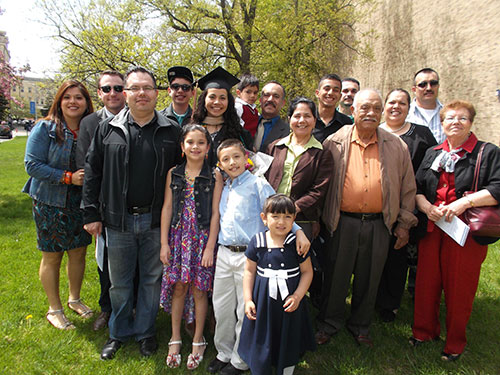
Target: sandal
<point>174,360</point>
<point>194,360</point>
<point>60,321</point>
<point>81,309</point>
<point>448,357</point>
<point>416,342</point>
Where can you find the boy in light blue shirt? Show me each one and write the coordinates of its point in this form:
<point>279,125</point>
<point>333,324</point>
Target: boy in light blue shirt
<point>240,206</point>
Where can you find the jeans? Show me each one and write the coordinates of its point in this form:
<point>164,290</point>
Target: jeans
<point>138,246</point>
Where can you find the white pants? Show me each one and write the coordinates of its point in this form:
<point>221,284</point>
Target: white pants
<point>229,306</point>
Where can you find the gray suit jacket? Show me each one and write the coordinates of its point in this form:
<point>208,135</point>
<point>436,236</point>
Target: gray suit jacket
<point>279,130</point>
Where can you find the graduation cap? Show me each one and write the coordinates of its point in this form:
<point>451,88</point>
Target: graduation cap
<point>219,78</point>
<point>179,72</point>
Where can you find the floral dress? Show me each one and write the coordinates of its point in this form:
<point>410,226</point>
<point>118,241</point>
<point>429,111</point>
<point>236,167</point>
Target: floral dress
<point>61,228</point>
<point>187,243</point>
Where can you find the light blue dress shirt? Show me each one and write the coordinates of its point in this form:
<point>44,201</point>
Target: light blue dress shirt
<point>240,206</point>
<point>415,116</point>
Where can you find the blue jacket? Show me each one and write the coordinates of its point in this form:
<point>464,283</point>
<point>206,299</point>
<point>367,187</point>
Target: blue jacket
<point>45,161</point>
<point>203,194</point>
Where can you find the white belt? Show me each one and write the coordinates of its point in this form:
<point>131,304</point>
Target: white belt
<point>277,279</point>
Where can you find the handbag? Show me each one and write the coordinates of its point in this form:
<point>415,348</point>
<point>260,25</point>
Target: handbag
<point>482,221</point>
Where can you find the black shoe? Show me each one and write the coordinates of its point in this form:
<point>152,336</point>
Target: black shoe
<point>110,348</point>
<point>229,369</point>
<point>387,315</point>
<point>216,365</point>
<point>148,346</point>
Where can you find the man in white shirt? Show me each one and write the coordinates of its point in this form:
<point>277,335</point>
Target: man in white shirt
<point>424,109</point>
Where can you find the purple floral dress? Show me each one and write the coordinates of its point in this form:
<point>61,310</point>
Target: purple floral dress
<point>187,243</point>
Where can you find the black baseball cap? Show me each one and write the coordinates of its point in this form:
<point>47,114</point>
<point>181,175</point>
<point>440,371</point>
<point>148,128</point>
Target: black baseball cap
<point>179,72</point>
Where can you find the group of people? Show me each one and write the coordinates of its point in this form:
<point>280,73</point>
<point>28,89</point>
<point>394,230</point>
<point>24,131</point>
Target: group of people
<point>182,223</point>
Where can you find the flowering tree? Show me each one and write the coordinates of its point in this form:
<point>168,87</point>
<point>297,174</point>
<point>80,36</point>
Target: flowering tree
<point>10,77</point>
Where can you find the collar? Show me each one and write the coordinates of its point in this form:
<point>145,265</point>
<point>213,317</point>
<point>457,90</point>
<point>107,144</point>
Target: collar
<point>242,102</point>
<point>311,143</point>
<point>468,145</point>
<point>130,119</point>
<point>239,180</point>
<point>414,104</point>
<point>335,118</point>
<point>273,120</point>
<point>355,137</point>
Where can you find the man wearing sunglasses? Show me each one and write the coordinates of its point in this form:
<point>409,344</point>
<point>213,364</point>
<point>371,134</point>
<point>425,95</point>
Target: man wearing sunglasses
<point>181,90</point>
<point>424,109</point>
<point>110,91</point>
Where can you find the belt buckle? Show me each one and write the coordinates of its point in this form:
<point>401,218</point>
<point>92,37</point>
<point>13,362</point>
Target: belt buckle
<point>364,217</point>
<point>134,211</point>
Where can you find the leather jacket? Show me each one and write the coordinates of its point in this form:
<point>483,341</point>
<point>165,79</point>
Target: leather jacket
<point>106,170</point>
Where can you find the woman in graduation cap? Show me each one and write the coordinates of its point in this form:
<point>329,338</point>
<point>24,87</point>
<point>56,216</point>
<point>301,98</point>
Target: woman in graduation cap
<point>215,110</point>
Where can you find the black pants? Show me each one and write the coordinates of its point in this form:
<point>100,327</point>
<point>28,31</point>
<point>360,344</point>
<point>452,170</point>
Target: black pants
<point>359,247</point>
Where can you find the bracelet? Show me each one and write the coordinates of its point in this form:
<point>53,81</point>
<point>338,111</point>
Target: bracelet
<point>470,201</point>
<point>67,177</point>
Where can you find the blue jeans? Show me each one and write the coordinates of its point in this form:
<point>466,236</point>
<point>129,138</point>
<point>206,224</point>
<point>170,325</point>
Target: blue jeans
<point>138,245</point>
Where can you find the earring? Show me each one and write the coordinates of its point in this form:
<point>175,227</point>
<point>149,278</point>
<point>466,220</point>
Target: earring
<point>206,156</point>
<point>182,155</point>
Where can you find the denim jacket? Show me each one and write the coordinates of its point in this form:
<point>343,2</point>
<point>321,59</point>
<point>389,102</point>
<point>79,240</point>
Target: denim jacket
<point>203,193</point>
<point>45,161</point>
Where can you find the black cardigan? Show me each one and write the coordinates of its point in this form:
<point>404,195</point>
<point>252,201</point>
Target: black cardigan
<point>489,175</point>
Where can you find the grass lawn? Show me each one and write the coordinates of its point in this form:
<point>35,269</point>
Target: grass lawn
<point>29,345</point>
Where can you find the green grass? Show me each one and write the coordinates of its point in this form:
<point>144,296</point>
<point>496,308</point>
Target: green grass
<point>29,345</point>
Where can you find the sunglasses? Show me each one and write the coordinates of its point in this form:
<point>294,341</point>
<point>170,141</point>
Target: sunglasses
<point>424,84</point>
<point>184,87</point>
<point>107,89</point>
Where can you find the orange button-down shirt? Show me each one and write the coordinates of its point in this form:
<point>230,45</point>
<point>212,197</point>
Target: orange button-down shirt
<point>362,186</point>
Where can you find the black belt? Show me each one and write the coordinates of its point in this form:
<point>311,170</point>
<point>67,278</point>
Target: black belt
<point>236,249</point>
<point>363,217</point>
<point>139,210</point>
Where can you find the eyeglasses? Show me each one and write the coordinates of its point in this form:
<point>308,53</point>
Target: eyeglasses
<point>184,87</point>
<point>423,84</point>
<point>462,119</point>
<point>136,89</point>
<point>107,89</point>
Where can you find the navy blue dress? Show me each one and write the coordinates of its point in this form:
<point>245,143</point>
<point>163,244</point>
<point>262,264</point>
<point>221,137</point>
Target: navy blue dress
<point>277,338</point>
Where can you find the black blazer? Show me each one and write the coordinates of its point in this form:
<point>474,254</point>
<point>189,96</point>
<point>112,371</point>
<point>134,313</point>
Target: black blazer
<point>88,125</point>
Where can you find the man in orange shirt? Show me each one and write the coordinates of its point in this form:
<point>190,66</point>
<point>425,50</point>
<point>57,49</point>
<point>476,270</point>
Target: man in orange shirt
<point>371,196</point>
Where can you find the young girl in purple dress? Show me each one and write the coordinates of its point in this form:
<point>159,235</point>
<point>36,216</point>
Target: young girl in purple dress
<point>189,228</point>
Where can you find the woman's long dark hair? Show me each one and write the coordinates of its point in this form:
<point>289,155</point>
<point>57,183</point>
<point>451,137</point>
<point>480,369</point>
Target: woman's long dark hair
<point>55,112</point>
<point>232,127</point>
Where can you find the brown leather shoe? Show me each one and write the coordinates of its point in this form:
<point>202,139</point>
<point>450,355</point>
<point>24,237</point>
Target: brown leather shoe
<point>322,337</point>
<point>102,320</point>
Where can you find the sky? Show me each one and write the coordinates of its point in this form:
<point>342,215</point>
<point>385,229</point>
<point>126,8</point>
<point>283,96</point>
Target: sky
<point>29,40</point>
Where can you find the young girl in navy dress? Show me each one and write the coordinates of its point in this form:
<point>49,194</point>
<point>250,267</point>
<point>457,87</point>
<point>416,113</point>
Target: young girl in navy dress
<point>277,329</point>
<point>189,228</point>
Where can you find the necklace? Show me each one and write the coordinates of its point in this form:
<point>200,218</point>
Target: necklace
<point>398,129</point>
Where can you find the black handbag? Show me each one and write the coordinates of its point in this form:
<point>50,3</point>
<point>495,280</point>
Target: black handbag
<point>483,222</point>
